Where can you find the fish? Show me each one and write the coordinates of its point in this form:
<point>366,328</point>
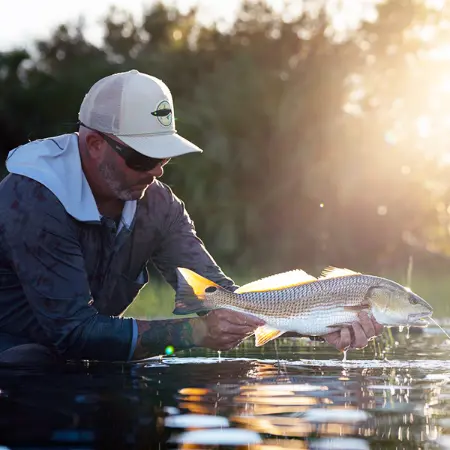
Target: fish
<point>296,301</point>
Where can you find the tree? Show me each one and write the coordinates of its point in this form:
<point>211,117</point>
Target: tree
<point>311,155</point>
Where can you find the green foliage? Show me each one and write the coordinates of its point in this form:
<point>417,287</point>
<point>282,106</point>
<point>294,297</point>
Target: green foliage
<point>298,169</point>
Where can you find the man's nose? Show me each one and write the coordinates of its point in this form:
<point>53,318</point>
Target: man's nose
<point>158,170</point>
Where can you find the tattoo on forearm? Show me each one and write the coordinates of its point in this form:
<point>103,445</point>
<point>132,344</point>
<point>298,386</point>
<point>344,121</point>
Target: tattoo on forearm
<point>155,335</point>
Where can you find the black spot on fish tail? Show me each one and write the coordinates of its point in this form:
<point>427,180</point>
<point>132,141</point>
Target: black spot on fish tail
<point>186,300</point>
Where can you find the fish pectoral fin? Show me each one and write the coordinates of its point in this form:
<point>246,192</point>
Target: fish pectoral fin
<point>278,281</point>
<point>355,308</point>
<point>340,325</point>
<point>360,307</point>
<point>335,272</point>
<point>265,334</point>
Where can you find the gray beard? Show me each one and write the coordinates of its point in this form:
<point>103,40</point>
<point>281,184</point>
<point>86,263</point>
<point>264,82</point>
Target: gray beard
<point>112,177</point>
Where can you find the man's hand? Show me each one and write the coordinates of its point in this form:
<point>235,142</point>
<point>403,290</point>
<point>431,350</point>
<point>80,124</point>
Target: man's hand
<point>218,330</point>
<point>223,329</point>
<point>357,336</point>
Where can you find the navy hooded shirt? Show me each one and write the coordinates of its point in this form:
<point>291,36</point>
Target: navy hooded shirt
<point>67,274</point>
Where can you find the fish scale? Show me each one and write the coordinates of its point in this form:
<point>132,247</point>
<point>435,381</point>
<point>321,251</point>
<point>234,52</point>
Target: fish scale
<point>320,307</point>
<point>296,301</point>
<point>321,296</point>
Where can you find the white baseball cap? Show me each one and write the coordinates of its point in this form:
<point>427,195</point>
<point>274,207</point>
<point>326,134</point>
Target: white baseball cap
<point>138,109</point>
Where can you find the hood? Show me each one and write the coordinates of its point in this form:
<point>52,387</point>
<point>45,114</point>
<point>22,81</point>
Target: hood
<point>55,162</point>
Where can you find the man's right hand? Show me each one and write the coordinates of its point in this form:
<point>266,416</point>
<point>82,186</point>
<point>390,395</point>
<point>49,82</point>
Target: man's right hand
<point>218,330</point>
<point>222,329</point>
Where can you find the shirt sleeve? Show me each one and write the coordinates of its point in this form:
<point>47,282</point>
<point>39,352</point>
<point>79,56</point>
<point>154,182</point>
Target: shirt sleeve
<point>46,254</point>
<point>181,247</point>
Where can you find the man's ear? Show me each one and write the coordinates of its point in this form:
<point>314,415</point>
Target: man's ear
<point>94,145</point>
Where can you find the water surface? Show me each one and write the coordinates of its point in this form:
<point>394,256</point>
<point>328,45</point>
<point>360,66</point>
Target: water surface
<point>395,394</point>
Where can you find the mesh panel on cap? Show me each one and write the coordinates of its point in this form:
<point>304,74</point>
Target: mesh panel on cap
<point>101,107</point>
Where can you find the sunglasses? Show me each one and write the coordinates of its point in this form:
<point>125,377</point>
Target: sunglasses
<point>133,159</point>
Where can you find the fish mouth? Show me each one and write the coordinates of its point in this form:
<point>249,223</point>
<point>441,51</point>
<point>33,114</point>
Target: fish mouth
<point>419,319</point>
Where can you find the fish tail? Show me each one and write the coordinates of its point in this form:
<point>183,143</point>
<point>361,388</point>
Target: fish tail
<point>190,296</point>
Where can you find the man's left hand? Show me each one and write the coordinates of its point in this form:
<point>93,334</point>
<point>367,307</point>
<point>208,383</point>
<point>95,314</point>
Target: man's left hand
<point>357,336</point>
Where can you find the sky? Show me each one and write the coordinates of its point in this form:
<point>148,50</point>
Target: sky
<point>22,21</point>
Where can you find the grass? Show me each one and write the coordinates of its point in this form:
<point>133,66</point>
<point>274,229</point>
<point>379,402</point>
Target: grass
<point>155,300</point>
<point>436,291</point>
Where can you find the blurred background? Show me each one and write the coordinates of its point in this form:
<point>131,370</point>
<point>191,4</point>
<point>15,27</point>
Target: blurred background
<point>325,124</point>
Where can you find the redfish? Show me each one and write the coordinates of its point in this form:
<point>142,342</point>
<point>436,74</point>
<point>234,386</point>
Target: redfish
<point>298,302</point>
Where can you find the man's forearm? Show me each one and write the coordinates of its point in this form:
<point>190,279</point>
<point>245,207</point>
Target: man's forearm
<point>155,335</point>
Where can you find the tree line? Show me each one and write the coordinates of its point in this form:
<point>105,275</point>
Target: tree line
<point>311,152</point>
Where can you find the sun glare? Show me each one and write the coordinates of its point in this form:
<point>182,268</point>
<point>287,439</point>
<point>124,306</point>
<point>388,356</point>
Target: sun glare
<point>436,4</point>
<point>426,124</point>
<point>427,33</point>
<point>423,124</point>
<point>445,84</point>
<point>441,52</point>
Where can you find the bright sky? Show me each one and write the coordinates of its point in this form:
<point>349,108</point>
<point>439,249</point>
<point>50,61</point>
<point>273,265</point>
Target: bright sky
<point>21,21</point>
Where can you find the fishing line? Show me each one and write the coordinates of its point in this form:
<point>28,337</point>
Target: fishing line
<point>440,327</point>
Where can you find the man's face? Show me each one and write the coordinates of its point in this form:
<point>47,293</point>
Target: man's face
<point>123,182</point>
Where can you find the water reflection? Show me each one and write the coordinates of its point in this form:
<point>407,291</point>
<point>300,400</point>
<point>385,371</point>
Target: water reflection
<point>319,403</point>
<point>304,407</point>
<point>308,399</point>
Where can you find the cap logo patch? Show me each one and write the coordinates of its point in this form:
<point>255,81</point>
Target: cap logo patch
<point>163,113</point>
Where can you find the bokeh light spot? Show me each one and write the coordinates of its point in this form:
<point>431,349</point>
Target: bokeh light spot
<point>169,350</point>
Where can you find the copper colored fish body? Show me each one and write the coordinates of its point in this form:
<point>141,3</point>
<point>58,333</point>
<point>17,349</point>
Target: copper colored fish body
<point>296,301</point>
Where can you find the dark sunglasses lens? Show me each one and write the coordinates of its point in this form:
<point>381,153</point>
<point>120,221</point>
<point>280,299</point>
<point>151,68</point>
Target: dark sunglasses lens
<point>133,159</point>
<point>141,163</point>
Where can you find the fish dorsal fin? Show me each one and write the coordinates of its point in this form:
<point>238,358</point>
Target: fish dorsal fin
<point>278,281</point>
<point>336,272</point>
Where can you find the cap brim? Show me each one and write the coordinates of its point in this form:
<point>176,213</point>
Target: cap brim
<point>160,146</point>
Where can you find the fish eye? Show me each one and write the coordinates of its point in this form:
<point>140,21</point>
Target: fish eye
<point>413,301</point>
<point>211,289</point>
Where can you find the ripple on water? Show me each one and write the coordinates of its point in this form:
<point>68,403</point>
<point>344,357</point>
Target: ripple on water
<point>230,436</point>
<point>340,443</point>
<point>315,403</point>
<point>335,415</point>
<point>309,399</point>
<point>196,421</point>
<point>431,364</point>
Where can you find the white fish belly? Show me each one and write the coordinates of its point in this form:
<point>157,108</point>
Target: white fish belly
<point>316,323</point>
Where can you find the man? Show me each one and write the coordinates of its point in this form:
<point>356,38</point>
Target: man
<point>82,214</point>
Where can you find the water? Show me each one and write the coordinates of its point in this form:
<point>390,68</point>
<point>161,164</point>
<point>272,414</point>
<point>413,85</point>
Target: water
<point>395,394</point>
